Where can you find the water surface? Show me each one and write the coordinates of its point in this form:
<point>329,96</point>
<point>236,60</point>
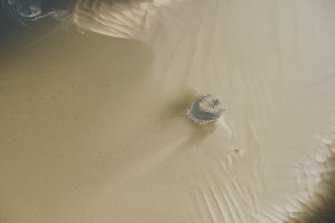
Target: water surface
<point>93,125</point>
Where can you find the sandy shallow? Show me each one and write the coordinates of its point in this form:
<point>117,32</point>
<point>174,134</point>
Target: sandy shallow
<point>93,127</point>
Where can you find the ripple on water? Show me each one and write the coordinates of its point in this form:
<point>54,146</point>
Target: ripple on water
<point>122,19</point>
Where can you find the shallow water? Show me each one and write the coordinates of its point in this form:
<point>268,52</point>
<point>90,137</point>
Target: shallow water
<point>93,125</point>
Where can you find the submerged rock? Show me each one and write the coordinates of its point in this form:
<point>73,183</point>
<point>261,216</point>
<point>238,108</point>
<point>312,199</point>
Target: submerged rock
<point>27,10</point>
<point>205,109</point>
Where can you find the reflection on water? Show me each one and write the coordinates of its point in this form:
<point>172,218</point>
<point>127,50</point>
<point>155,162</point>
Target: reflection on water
<point>93,112</point>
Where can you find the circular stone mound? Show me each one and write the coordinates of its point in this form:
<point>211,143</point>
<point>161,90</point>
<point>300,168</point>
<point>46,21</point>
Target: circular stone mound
<point>205,109</point>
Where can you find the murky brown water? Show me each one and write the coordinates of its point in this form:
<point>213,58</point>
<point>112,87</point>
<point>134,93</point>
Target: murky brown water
<point>93,125</point>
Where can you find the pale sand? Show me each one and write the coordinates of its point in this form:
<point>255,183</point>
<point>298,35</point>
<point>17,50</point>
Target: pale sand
<point>93,128</point>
